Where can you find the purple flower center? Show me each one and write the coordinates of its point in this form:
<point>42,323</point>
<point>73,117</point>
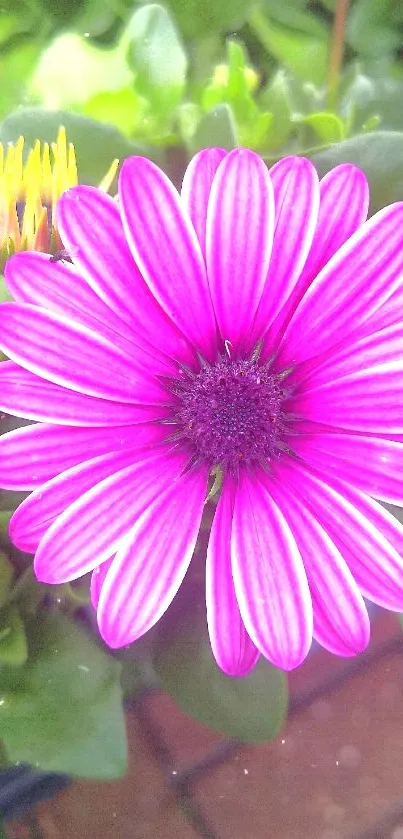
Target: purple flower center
<point>231,413</point>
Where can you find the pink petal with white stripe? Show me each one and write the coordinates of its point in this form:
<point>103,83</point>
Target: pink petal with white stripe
<point>371,402</point>
<point>269,577</point>
<point>167,251</point>
<point>90,226</point>
<point>343,208</point>
<point>373,465</point>
<point>233,650</point>
<point>389,313</point>
<point>351,288</point>
<point>32,278</point>
<point>150,566</point>
<point>86,534</point>
<point>34,516</point>
<point>35,454</point>
<point>25,395</point>
<point>370,353</point>
<point>296,197</point>
<point>335,594</point>
<point>369,538</point>
<point>74,356</point>
<point>196,188</point>
<point>97,580</point>
<point>239,234</point>
<point>324,634</point>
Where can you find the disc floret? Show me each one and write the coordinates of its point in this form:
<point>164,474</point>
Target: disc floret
<point>231,413</point>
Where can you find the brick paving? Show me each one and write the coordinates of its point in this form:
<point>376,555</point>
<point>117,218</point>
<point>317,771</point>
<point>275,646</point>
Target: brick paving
<point>334,772</point>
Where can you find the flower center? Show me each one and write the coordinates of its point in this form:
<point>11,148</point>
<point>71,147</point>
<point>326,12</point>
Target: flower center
<point>230,414</point>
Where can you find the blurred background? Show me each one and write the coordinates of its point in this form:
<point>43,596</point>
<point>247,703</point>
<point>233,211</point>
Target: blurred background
<point>154,742</point>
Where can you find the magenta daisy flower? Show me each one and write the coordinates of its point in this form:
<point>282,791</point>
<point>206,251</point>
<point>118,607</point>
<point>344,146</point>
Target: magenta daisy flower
<point>249,329</point>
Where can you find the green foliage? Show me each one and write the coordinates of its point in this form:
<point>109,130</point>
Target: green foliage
<point>198,20</point>
<point>305,54</point>
<point>13,642</point>
<point>61,710</point>
<point>375,27</point>
<point>379,154</point>
<point>6,576</point>
<point>216,128</point>
<point>251,709</point>
<point>161,73</point>
<point>157,57</point>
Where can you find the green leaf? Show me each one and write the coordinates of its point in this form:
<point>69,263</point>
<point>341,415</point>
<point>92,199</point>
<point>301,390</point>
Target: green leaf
<point>16,67</point>
<point>62,710</point>
<point>6,575</point>
<point>216,128</point>
<point>5,295</point>
<point>305,55</point>
<point>13,642</point>
<point>123,108</point>
<point>96,144</point>
<point>157,56</point>
<point>233,84</point>
<point>373,27</point>
<point>379,154</point>
<point>327,126</point>
<point>251,709</point>
<point>366,97</point>
<point>276,97</point>
<point>197,19</point>
<point>292,15</point>
<point>72,69</point>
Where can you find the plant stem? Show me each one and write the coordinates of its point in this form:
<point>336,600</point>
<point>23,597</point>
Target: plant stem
<point>337,50</point>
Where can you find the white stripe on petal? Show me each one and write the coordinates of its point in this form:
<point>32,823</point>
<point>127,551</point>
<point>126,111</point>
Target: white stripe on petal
<point>269,577</point>
<point>151,564</point>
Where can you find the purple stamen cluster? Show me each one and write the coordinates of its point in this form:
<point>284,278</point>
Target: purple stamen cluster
<point>230,413</point>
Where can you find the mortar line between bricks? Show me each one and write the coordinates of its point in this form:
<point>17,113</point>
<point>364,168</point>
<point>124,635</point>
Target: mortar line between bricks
<point>301,701</point>
<point>153,733</point>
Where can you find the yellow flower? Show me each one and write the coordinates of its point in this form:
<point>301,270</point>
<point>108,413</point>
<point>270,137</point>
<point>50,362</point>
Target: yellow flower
<point>30,190</point>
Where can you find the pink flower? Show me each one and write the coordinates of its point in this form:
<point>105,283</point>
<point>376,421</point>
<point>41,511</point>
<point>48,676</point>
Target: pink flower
<point>252,324</point>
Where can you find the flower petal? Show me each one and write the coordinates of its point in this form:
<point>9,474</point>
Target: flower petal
<point>336,597</point>
<point>343,208</point>
<point>353,285</point>
<point>74,356</point>
<point>148,570</point>
<point>86,534</point>
<point>369,538</point>
<point>32,278</point>
<point>324,634</point>
<point>26,395</point>
<point>34,516</point>
<point>269,577</point>
<point>372,465</point>
<point>196,188</point>
<point>233,650</point>
<point>166,249</point>
<point>35,454</point>
<point>296,196</point>
<point>239,237</point>
<point>371,401</point>
<point>379,349</point>
<point>91,228</point>
<point>97,580</point>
